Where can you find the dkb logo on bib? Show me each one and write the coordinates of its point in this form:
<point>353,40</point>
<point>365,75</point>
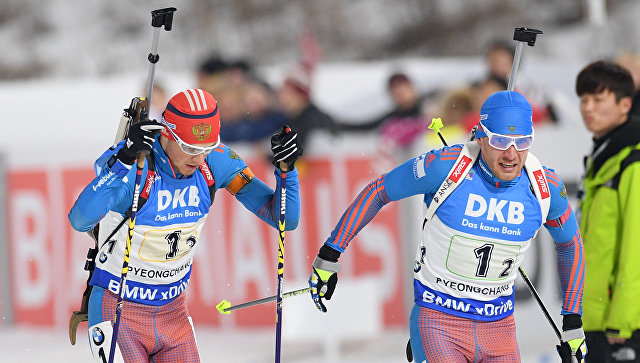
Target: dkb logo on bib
<point>177,199</point>
<point>477,206</point>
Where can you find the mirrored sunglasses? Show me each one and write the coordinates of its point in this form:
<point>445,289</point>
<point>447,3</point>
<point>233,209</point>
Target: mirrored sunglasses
<point>503,142</point>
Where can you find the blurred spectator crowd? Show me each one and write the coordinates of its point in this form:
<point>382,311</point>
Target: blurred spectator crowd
<point>253,109</point>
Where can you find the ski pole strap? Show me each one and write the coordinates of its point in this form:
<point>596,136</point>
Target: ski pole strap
<point>572,334</point>
<point>326,265</point>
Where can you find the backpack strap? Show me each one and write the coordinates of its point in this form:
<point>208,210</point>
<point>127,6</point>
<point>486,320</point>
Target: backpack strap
<point>151,177</point>
<point>461,167</point>
<point>208,176</point>
<point>539,184</point>
<point>148,183</point>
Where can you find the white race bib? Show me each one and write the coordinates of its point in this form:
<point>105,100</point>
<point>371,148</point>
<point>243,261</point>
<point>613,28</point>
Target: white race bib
<point>478,259</point>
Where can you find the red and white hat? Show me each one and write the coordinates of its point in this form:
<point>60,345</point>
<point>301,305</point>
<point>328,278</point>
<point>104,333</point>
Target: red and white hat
<point>193,116</point>
<point>299,78</point>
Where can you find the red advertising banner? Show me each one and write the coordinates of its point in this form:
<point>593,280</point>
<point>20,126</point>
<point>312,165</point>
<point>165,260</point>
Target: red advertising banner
<point>31,248</point>
<point>237,254</point>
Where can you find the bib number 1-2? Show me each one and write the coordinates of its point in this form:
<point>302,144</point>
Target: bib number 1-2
<point>481,259</point>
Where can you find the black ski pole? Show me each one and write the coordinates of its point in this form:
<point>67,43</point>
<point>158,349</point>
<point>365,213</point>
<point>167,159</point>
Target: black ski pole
<point>280,277</point>
<point>533,291</point>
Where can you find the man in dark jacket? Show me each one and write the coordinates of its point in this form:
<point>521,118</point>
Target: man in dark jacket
<point>302,114</point>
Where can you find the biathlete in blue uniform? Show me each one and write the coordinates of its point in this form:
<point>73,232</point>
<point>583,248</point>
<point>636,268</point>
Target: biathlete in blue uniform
<point>484,202</point>
<point>185,165</point>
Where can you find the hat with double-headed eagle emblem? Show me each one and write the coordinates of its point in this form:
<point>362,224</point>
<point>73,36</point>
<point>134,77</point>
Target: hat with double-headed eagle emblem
<point>193,116</point>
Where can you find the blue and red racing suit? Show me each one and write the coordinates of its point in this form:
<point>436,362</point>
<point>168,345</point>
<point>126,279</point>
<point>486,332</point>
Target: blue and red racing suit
<point>167,226</point>
<point>474,244</point>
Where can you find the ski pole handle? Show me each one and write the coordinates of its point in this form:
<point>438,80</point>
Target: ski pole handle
<point>436,125</point>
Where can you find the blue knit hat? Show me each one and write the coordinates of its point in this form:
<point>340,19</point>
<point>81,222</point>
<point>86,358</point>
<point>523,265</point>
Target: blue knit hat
<point>507,113</point>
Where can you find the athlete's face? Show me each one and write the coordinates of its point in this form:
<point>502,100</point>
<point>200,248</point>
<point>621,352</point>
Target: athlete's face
<point>504,164</point>
<point>601,112</point>
<point>182,162</point>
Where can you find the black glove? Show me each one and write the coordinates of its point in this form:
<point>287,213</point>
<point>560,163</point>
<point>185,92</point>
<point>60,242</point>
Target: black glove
<point>323,281</point>
<point>285,147</point>
<point>572,347</point>
<point>324,276</point>
<point>141,136</point>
